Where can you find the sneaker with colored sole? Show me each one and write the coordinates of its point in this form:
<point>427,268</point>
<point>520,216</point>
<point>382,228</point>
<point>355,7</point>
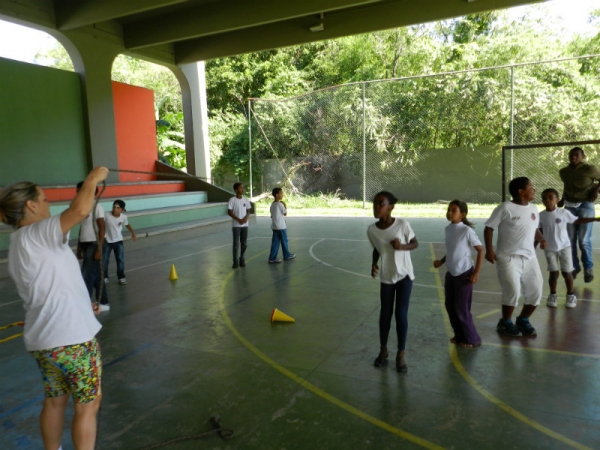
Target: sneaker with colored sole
<point>552,301</point>
<point>508,328</point>
<point>525,327</point>
<point>571,301</point>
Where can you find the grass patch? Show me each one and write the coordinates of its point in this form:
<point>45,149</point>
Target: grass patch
<point>331,205</point>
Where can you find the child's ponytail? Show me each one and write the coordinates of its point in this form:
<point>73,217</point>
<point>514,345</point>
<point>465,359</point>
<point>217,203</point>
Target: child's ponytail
<point>462,206</point>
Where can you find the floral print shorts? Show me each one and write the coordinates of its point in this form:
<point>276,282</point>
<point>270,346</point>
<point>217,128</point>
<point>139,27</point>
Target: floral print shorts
<point>74,368</point>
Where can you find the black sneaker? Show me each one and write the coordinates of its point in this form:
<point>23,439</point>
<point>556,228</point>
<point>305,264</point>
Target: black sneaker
<point>588,275</point>
<point>242,262</point>
<point>576,272</point>
<point>508,328</point>
<point>235,265</point>
<point>525,327</point>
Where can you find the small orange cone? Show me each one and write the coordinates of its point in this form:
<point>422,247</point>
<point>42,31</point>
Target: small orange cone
<point>278,316</point>
<point>173,275</point>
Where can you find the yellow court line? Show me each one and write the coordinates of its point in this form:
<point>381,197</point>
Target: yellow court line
<point>489,313</point>
<point>10,325</point>
<point>14,336</point>
<point>490,397</point>
<point>543,350</point>
<point>311,387</point>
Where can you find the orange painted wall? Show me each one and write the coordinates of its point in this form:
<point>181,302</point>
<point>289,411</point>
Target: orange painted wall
<point>136,131</point>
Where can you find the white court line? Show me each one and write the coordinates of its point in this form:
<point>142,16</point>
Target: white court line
<point>310,250</point>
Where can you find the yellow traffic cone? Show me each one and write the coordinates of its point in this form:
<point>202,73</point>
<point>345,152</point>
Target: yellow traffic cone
<point>173,273</point>
<point>278,316</point>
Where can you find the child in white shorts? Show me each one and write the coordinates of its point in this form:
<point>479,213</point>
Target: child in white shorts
<point>553,225</point>
<point>518,271</point>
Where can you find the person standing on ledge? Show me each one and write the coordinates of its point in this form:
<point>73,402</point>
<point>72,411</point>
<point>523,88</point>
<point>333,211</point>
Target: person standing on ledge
<point>579,194</point>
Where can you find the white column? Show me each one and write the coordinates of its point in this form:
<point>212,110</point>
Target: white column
<point>200,160</point>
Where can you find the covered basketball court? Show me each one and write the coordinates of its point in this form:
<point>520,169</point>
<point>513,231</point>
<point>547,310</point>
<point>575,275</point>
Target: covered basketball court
<point>179,352</point>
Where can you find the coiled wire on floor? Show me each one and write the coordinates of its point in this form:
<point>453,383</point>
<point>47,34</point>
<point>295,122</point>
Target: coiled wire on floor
<point>224,433</point>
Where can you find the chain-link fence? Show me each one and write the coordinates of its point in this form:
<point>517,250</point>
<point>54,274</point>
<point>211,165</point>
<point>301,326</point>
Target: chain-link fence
<point>424,138</point>
<point>541,163</point>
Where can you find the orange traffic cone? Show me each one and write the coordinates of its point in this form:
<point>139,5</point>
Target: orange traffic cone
<point>173,275</point>
<point>278,316</point>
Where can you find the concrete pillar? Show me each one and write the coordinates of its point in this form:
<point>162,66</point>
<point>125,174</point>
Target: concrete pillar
<point>93,59</point>
<point>196,120</point>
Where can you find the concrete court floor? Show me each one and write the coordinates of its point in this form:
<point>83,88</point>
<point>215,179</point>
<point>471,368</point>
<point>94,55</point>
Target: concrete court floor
<point>176,353</point>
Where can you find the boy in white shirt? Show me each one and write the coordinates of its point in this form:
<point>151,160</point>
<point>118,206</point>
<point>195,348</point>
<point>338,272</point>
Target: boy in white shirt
<point>238,209</point>
<point>89,250</point>
<point>553,225</point>
<point>518,228</point>
<point>278,225</point>
<point>114,222</point>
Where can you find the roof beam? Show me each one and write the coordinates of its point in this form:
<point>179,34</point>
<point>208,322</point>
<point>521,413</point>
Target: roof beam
<point>371,18</point>
<point>72,14</point>
<point>219,17</point>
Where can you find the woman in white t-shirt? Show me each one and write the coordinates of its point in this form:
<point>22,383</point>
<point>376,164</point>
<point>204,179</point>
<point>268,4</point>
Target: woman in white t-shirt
<point>392,239</point>
<point>60,326</point>
<point>461,275</point>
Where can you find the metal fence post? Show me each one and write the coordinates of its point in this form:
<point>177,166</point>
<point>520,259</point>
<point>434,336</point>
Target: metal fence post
<point>364,137</point>
<point>512,116</point>
<point>250,145</point>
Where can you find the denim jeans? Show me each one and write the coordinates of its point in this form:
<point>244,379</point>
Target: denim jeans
<point>90,270</point>
<point>119,250</point>
<point>400,292</point>
<point>240,236</point>
<point>279,237</point>
<point>581,234</point>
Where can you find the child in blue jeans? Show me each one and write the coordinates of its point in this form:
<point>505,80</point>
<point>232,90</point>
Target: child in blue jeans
<point>113,241</point>
<point>279,227</point>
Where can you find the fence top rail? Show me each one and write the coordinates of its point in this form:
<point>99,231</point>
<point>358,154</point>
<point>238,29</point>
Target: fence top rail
<point>427,75</point>
<point>550,144</point>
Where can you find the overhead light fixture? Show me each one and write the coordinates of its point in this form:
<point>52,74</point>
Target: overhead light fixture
<point>319,27</point>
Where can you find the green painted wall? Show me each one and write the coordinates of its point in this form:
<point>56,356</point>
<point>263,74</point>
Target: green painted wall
<point>42,137</point>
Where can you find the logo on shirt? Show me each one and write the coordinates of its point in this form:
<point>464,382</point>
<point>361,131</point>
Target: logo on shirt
<point>516,218</point>
<point>532,216</point>
<point>558,221</point>
<point>120,224</point>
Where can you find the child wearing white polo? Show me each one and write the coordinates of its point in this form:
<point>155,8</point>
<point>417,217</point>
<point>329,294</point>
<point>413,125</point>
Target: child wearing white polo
<point>553,225</point>
<point>517,222</point>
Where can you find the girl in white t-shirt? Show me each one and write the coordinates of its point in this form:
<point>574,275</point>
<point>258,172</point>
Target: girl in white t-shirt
<point>60,326</point>
<point>392,239</point>
<point>461,274</point>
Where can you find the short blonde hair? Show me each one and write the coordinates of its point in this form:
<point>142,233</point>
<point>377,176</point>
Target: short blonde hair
<point>13,199</point>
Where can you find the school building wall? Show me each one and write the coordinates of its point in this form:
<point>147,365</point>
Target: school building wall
<point>136,131</point>
<point>42,135</point>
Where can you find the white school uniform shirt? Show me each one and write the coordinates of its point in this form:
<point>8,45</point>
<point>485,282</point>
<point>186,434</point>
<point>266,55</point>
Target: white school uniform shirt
<point>460,239</point>
<point>516,226</point>
<point>89,225</point>
<point>240,207</point>
<point>114,227</point>
<point>278,212</point>
<point>57,304</point>
<point>554,228</point>
<point>395,264</point>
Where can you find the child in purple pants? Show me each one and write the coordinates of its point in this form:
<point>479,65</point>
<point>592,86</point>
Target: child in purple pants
<point>461,275</point>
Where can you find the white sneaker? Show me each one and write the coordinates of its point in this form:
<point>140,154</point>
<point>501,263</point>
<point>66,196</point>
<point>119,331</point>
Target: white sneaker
<point>106,280</point>
<point>552,301</point>
<point>104,307</point>
<point>571,301</point>
<point>123,281</point>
